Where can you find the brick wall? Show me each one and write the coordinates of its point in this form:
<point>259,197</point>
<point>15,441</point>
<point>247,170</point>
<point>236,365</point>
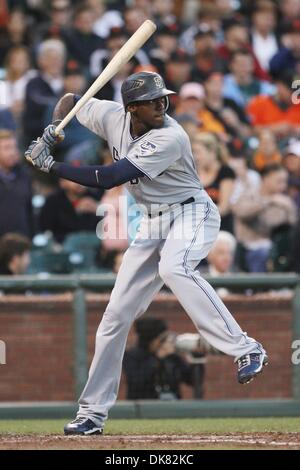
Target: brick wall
<point>38,332</point>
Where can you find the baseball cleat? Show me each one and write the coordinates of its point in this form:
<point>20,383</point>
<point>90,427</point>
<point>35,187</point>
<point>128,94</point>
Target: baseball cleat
<point>250,365</point>
<point>82,427</point>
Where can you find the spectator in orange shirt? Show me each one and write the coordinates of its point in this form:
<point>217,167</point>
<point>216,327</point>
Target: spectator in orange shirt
<point>267,152</point>
<point>191,101</point>
<point>278,113</point>
<point>226,111</point>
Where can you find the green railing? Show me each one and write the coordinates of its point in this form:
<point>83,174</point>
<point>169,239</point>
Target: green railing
<point>80,284</point>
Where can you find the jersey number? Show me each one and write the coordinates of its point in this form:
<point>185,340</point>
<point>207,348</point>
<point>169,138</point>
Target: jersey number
<point>116,158</point>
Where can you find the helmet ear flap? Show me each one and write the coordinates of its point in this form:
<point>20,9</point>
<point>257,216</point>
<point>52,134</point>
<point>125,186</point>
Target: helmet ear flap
<point>167,103</point>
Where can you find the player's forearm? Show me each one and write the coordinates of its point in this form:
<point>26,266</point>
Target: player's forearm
<point>64,105</point>
<point>106,177</point>
<point>83,175</point>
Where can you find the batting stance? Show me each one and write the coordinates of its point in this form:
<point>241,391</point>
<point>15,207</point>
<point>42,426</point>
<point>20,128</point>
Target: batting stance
<point>152,155</point>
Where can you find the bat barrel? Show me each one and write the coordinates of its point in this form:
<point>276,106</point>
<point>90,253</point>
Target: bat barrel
<point>127,51</point>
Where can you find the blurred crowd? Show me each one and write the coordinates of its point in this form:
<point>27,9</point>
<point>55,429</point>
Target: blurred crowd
<point>235,66</point>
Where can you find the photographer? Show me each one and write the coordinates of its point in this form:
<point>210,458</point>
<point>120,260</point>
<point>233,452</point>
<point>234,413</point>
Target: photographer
<point>154,369</point>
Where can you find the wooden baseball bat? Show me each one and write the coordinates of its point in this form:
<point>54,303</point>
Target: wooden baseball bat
<point>126,52</point>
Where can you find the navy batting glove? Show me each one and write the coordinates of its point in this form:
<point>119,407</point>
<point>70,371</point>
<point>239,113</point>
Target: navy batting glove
<point>50,137</point>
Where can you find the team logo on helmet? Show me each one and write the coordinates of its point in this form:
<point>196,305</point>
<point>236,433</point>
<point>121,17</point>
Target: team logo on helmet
<point>158,82</point>
<point>135,84</point>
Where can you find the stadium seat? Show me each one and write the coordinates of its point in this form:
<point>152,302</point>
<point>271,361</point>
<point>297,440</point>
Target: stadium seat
<point>82,248</point>
<point>81,241</point>
<point>51,263</point>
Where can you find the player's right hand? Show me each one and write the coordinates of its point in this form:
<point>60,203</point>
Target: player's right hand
<point>51,137</point>
<point>38,154</point>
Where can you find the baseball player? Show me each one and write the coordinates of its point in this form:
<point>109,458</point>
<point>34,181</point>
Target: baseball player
<point>152,155</point>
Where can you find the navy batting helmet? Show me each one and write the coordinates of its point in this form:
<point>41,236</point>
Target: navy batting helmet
<point>143,86</point>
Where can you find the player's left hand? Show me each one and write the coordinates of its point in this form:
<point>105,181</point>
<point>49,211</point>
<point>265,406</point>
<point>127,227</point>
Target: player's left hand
<point>38,154</point>
<point>50,135</point>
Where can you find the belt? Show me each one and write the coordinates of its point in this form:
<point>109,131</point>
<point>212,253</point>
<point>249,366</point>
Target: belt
<point>158,214</point>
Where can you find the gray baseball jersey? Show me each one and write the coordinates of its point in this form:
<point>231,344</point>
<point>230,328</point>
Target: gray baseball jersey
<point>164,155</point>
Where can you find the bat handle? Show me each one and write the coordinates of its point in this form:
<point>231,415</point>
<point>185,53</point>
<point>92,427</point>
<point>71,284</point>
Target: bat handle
<point>59,127</point>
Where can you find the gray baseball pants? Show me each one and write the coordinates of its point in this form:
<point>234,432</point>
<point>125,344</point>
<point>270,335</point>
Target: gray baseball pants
<point>167,250</point>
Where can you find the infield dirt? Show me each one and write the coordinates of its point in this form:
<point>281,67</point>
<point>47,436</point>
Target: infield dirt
<point>271,440</point>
